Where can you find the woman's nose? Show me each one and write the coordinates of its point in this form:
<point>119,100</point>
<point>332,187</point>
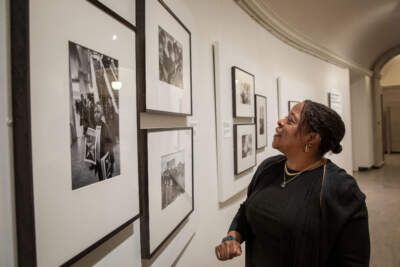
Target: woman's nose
<point>281,122</point>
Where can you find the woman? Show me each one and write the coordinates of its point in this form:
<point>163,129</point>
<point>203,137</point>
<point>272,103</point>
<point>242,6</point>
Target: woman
<point>301,209</point>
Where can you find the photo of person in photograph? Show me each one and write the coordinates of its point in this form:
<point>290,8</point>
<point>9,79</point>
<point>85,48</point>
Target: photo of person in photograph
<point>245,93</point>
<point>170,59</point>
<point>94,116</point>
<point>246,145</point>
<point>261,121</point>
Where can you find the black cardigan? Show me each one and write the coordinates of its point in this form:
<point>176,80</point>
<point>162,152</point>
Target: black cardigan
<point>342,236</point>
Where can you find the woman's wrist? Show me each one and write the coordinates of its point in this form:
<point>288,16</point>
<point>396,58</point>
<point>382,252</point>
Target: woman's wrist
<point>235,235</point>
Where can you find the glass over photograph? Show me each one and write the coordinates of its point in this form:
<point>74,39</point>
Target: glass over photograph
<point>172,177</point>
<point>170,59</point>
<point>94,116</point>
<point>261,125</point>
<point>247,144</point>
<point>245,96</point>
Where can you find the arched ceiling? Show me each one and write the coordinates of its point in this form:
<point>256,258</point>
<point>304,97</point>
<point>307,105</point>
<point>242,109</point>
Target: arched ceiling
<point>355,32</point>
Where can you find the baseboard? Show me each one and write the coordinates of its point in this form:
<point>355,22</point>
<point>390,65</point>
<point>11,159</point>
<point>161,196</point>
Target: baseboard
<point>379,165</point>
<point>364,169</point>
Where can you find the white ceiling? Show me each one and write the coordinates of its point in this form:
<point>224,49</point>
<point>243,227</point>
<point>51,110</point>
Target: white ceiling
<point>357,30</point>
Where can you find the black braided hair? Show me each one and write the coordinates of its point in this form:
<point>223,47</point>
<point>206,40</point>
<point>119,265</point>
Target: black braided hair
<point>320,119</point>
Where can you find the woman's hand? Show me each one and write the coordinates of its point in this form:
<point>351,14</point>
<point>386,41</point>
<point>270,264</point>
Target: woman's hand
<point>228,250</point>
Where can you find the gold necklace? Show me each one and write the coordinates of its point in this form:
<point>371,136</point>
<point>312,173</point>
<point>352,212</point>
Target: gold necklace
<point>290,173</point>
<point>284,183</point>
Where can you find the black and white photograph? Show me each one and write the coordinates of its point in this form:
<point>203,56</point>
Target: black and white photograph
<point>243,93</point>
<point>244,147</point>
<point>261,128</point>
<point>90,145</point>
<point>261,121</point>
<point>291,104</point>
<point>245,98</point>
<point>94,116</point>
<point>172,177</point>
<point>170,59</point>
<point>107,165</point>
<point>247,145</point>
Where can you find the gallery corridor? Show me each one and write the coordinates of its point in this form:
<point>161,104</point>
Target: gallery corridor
<point>382,187</point>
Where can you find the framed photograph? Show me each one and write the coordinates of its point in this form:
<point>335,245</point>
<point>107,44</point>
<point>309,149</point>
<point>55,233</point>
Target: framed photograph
<point>243,93</point>
<point>90,140</point>
<point>121,10</point>
<point>261,121</point>
<point>168,196</point>
<point>74,95</point>
<point>168,61</point>
<point>291,104</point>
<point>244,147</point>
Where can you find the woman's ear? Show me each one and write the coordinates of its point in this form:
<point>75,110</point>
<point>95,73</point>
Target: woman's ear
<point>313,138</point>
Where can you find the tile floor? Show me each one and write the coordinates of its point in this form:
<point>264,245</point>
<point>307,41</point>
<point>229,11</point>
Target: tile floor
<point>382,187</point>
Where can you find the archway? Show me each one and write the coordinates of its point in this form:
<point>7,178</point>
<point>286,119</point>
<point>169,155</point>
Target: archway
<point>378,103</point>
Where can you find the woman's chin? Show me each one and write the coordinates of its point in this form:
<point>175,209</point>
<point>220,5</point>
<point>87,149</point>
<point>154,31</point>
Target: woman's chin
<point>275,144</point>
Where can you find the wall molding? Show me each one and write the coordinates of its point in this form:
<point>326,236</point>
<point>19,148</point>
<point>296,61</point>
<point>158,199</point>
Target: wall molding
<point>267,18</point>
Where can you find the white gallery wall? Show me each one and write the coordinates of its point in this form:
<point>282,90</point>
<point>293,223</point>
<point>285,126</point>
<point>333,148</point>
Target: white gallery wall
<point>249,46</point>
<point>7,221</point>
<point>362,121</point>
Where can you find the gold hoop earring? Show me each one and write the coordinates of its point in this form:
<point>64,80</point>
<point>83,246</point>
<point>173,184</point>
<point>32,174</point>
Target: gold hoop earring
<point>307,149</point>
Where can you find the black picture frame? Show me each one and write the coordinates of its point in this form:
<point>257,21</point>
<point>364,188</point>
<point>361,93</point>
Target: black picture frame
<point>144,195</point>
<point>142,63</point>
<point>257,120</point>
<point>22,141</point>
<point>236,149</point>
<point>234,89</point>
<point>113,14</point>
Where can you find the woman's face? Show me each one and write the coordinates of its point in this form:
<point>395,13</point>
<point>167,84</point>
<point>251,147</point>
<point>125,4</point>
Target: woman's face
<point>287,138</point>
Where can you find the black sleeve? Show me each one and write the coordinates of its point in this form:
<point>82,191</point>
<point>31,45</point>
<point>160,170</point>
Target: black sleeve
<point>353,246</point>
<point>239,222</point>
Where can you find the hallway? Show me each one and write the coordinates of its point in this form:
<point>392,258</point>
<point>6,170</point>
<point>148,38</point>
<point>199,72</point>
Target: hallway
<point>382,188</point>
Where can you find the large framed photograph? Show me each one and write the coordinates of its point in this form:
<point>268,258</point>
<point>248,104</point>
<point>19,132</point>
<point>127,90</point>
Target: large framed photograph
<point>169,189</point>
<point>167,60</point>
<point>76,141</point>
<point>244,147</point>
<point>261,121</point>
<point>243,93</point>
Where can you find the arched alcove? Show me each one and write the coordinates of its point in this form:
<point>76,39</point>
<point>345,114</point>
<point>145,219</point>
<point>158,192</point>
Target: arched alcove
<point>378,102</point>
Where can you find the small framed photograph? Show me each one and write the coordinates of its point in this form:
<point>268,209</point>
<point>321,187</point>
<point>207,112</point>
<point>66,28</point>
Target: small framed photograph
<point>107,166</point>
<point>244,147</point>
<point>167,195</point>
<point>168,61</point>
<point>90,146</point>
<point>291,104</point>
<point>243,93</point>
<point>261,121</point>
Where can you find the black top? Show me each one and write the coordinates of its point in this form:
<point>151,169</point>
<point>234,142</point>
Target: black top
<point>293,226</point>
